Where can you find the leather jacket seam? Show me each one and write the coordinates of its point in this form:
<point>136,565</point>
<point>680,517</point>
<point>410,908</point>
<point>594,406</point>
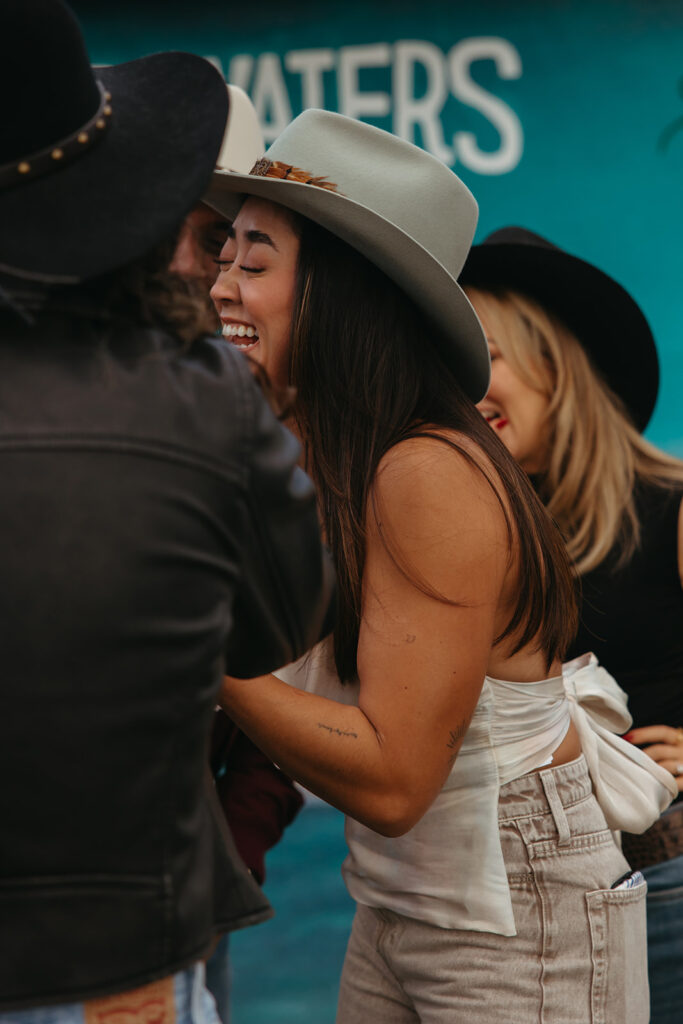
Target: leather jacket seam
<point>144,448</point>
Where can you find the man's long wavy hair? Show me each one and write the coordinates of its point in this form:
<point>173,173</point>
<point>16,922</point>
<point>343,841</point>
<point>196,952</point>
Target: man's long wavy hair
<point>595,457</point>
<point>144,293</point>
<point>367,376</point>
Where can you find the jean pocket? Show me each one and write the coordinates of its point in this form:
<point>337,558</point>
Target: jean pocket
<point>619,992</point>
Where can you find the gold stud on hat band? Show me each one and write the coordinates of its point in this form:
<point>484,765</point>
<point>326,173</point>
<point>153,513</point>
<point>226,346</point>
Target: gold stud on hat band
<point>62,151</point>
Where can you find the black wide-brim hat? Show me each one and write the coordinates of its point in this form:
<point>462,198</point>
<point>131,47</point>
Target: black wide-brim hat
<point>96,164</point>
<point>605,319</point>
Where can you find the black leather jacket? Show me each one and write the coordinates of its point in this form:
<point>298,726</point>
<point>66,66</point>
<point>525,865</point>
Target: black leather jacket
<point>154,532</point>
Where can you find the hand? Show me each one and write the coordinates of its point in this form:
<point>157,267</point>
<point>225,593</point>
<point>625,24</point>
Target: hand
<point>664,745</point>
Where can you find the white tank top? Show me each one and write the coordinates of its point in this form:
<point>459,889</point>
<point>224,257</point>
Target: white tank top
<point>448,869</point>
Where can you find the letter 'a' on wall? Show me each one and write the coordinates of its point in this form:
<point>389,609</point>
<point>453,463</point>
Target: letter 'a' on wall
<point>416,79</point>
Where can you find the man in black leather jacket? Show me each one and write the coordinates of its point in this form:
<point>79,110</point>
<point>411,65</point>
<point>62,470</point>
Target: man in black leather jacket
<point>155,532</point>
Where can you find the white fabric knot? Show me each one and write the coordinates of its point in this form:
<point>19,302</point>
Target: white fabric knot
<point>630,787</point>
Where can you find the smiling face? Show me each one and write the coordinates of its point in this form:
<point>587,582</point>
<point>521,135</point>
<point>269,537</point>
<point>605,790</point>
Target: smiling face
<point>516,406</point>
<point>254,291</point>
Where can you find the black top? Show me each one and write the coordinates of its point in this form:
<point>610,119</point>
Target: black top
<point>632,618</point>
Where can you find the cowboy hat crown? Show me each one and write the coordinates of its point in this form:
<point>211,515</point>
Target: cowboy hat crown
<point>96,165</point>
<point>42,104</point>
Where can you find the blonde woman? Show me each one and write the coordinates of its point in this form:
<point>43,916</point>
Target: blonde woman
<point>574,382</point>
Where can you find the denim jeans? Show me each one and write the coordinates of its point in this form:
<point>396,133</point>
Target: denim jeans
<point>665,940</point>
<point>579,955</point>
<point>189,1003</point>
<point>219,978</point>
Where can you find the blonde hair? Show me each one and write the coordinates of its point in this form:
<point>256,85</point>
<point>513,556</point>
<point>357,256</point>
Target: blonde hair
<point>595,456</point>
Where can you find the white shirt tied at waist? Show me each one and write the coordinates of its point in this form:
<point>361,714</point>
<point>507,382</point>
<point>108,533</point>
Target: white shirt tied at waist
<point>631,788</point>
<point>448,869</point>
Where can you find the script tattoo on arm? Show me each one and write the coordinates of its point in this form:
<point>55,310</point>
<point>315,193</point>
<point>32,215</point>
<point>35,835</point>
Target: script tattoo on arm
<point>454,737</point>
<point>337,732</point>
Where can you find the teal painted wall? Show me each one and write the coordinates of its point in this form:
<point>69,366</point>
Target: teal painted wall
<point>566,117</point>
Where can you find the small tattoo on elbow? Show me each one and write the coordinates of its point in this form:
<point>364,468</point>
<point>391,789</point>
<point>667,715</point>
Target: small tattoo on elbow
<point>455,735</point>
<point>454,738</point>
<point>337,732</point>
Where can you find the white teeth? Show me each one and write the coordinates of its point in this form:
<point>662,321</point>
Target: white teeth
<point>239,331</point>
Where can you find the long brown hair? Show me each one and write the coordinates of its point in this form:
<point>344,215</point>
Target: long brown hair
<point>367,376</point>
<point>144,293</point>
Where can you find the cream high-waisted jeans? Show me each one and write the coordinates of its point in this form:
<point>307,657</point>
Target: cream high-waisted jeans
<point>579,956</point>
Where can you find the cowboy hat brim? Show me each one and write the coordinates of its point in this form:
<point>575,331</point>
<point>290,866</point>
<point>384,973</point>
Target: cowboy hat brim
<point>111,204</point>
<point>602,315</point>
<point>416,271</point>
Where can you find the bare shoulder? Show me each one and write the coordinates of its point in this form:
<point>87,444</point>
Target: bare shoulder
<point>435,472</point>
<point>434,508</point>
<point>680,541</point>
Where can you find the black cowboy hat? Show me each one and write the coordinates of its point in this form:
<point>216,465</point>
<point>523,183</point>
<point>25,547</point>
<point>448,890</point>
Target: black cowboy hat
<point>606,320</point>
<point>96,165</point>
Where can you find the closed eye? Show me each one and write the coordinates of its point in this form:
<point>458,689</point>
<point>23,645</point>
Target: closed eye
<point>225,264</point>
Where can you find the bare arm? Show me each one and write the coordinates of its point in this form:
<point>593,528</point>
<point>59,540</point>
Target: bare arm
<point>421,661</point>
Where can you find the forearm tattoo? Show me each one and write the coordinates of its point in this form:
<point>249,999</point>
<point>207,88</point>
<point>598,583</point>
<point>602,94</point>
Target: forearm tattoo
<point>338,732</point>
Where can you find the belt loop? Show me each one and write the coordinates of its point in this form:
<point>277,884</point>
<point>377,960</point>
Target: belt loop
<point>555,804</point>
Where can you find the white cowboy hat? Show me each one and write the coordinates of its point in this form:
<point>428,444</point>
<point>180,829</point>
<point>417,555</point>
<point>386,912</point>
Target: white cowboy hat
<point>399,206</point>
<point>243,140</point>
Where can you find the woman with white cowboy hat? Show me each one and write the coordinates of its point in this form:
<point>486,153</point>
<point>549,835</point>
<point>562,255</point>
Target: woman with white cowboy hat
<point>437,719</point>
<point>574,382</point>
<point>153,516</point>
